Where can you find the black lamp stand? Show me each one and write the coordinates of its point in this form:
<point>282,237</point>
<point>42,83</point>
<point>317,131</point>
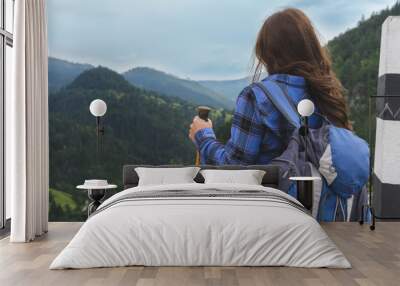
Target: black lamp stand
<point>305,188</point>
<point>99,133</point>
<point>96,195</point>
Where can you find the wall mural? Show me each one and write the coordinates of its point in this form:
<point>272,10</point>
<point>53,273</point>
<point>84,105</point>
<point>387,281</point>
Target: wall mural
<point>149,111</point>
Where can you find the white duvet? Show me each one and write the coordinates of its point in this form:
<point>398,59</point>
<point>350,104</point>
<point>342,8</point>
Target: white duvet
<point>200,231</point>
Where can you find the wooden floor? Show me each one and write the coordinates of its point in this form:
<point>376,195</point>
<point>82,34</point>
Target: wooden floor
<point>375,257</point>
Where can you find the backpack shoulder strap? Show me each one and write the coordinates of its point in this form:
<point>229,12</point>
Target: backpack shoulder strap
<point>280,99</point>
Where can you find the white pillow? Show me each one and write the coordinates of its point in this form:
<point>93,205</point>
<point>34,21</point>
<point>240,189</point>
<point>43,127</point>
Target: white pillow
<point>166,176</point>
<point>248,177</point>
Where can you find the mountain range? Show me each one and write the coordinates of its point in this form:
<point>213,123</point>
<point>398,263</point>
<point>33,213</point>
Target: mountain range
<point>170,85</point>
<point>216,94</point>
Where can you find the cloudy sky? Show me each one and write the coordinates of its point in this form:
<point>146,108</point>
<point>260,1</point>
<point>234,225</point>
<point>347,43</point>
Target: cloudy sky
<point>198,39</point>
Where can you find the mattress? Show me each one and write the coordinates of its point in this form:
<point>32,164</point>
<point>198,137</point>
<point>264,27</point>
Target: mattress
<point>201,225</point>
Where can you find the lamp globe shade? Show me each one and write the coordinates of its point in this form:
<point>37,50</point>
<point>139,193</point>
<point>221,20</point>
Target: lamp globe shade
<point>98,107</point>
<point>305,107</point>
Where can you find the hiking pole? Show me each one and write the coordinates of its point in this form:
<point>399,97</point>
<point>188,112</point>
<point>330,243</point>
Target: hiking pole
<point>202,112</point>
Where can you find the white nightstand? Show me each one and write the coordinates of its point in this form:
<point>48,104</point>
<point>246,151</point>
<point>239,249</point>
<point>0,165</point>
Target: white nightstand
<point>96,191</point>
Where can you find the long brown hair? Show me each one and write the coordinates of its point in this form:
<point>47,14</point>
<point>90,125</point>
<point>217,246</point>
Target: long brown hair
<point>287,44</point>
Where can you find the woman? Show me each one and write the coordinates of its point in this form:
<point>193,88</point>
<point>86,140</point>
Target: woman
<point>288,48</point>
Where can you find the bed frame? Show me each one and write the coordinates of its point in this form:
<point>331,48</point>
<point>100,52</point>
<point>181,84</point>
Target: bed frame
<point>130,178</point>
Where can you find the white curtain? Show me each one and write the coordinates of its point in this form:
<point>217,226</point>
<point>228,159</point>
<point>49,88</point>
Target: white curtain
<point>27,124</point>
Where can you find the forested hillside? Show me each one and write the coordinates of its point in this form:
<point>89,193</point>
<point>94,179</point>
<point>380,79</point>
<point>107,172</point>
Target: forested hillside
<point>355,56</point>
<point>141,127</point>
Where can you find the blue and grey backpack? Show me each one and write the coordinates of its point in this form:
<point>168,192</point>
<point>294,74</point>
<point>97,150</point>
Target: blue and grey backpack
<point>336,155</point>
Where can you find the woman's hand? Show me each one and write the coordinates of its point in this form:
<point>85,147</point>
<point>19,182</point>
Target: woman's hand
<point>197,125</point>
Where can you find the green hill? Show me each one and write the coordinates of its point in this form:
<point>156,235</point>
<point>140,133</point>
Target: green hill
<point>101,78</point>
<point>141,127</point>
<point>63,200</point>
<point>355,55</point>
<point>62,206</point>
<point>62,73</point>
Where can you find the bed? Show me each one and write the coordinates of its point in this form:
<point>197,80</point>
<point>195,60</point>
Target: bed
<point>199,224</point>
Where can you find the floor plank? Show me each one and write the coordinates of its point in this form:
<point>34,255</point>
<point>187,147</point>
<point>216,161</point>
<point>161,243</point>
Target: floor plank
<point>375,257</point>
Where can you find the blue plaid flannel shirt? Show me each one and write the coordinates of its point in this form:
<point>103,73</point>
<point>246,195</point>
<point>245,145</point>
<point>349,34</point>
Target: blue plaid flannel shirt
<point>259,132</point>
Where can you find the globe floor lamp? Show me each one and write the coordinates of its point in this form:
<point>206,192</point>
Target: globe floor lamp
<point>305,185</point>
<point>96,188</point>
